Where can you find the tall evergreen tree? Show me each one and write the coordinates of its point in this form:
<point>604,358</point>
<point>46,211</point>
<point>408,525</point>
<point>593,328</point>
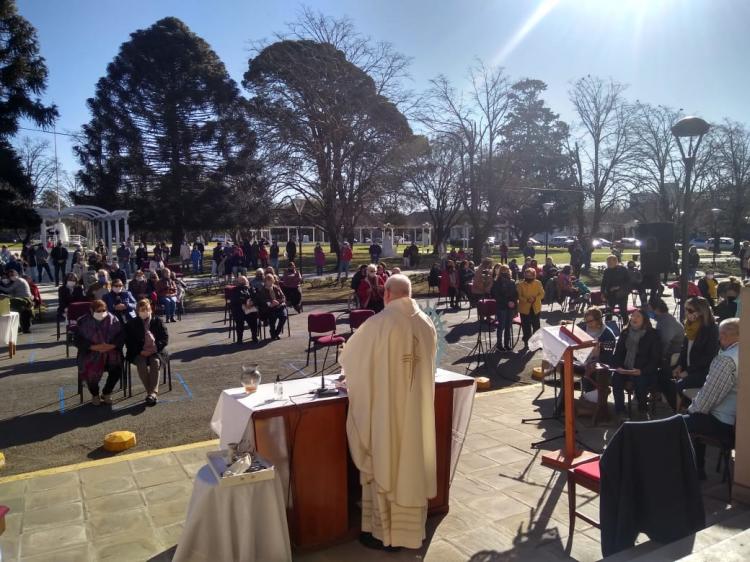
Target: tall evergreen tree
<point>23,78</point>
<point>170,137</point>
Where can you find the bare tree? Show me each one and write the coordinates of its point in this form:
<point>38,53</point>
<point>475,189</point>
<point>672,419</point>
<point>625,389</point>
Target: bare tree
<point>600,154</point>
<point>38,165</point>
<point>655,164</point>
<point>474,123</point>
<point>387,67</point>
<point>732,158</point>
<point>432,179</point>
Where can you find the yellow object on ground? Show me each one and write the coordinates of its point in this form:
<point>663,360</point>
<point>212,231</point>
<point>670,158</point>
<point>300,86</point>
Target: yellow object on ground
<point>2,460</point>
<point>483,383</point>
<point>119,441</point>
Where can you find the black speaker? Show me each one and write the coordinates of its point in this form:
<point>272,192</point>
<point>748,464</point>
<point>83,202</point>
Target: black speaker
<point>657,245</point>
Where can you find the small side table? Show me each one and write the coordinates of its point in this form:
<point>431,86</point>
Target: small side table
<point>240,522</point>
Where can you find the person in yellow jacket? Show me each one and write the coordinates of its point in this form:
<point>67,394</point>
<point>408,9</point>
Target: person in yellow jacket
<point>530,295</point>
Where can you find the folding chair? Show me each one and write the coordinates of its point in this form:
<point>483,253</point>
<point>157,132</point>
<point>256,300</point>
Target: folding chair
<point>166,373</point>
<point>74,312</point>
<point>227,301</point>
<point>357,318</point>
<point>321,328</point>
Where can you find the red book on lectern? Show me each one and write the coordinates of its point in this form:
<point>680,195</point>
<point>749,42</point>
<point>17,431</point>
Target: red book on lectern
<point>575,333</point>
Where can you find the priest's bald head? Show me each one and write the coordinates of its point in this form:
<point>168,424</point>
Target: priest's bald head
<point>397,286</point>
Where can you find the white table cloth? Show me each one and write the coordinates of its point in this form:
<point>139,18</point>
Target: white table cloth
<point>246,522</point>
<point>9,328</point>
<point>232,418</point>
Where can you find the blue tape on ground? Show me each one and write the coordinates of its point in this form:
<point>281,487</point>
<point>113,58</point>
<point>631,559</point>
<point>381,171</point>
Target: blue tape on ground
<point>32,357</point>
<point>61,396</point>
<point>184,385</point>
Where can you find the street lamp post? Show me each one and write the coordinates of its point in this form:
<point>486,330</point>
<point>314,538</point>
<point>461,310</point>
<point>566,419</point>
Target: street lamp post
<point>716,245</point>
<point>692,128</point>
<point>299,205</point>
<point>547,208</point>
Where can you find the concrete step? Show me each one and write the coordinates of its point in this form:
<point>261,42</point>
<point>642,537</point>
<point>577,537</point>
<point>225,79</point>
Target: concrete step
<point>726,527</point>
<point>733,549</point>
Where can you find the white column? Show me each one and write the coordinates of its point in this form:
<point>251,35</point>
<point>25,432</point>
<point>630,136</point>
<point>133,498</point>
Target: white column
<point>117,231</point>
<point>43,232</point>
<point>287,233</point>
<point>127,229</point>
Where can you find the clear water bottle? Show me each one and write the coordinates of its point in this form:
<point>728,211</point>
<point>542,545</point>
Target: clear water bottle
<point>278,389</point>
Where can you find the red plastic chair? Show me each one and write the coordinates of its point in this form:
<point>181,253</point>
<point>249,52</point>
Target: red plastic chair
<point>357,318</point>
<point>321,328</point>
<point>3,512</point>
<point>74,312</point>
<point>596,298</point>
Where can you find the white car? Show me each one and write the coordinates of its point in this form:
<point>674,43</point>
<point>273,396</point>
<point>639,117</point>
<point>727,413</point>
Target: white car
<point>725,244</point>
<point>630,243</point>
<point>601,243</point>
<point>561,241</point>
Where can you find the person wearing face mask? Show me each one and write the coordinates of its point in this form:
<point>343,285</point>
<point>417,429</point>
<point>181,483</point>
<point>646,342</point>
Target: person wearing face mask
<point>146,339</point>
<point>138,286</point>
<point>530,295</point>
<point>371,290</point>
<point>166,292</point>
<point>70,291</point>
<point>272,306</point>
<point>120,302</point>
<point>709,288</point>
<point>18,291</point>
<point>244,303</point>
<point>99,337</point>
<point>96,291</point>
<point>117,272</point>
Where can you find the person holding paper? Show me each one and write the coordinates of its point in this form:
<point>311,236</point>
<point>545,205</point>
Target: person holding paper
<point>389,364</point>
<point>637,359</point>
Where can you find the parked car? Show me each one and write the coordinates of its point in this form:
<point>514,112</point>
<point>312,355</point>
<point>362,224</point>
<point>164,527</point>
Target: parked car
<point>601,243</point>
<point>628,243</point>
<point>561,241</point>
<point>725,244</point>
<point>699,243</point>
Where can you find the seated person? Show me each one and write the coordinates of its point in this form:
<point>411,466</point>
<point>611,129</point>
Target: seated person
<point>713,412</point>
<point>272,306</point>
<point>99,337</point>
<point>371,290</point>
<point>547,270</point>
<point>146,339</point>
<point>166,293</point>
<point>120,302</point>
<point>699,347</point>
<point>70,291</point>
<point>258,281</point>
<point>14,287</point>
<point>727,307</point>
<point>138,286</point>
<point>96,291</point>
<point>243,301</point>
<point>118,272</point>
<point>671,333</point>
<point>565,284</point>
<point>708,286</point>
<point>636,281</point>
<point>603,354</point>
<point>637,359</point>
<point>465,278</point>
<point>181,291</point>
<point>291,282</point>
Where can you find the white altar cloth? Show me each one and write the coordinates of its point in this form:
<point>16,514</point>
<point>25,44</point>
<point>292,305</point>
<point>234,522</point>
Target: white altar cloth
<point>232,418</point>
<point>241,522</point>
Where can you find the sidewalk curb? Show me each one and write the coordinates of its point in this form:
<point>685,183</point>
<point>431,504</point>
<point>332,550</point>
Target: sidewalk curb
<point>105,461</point>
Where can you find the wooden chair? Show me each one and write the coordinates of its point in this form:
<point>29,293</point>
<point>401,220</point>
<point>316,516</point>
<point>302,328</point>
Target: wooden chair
<point>587,476</point>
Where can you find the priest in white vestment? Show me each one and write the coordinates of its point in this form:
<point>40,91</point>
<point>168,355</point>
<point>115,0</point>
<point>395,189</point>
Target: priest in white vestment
<point>389,365</point>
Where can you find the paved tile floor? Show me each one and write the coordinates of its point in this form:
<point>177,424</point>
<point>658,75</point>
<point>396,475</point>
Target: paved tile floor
<point>504,504</point>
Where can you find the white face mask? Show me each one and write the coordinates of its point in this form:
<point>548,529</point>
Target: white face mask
<point>99,315</point>
<point>71,284</point>
<point>117,289</point>
<point>144,315</point>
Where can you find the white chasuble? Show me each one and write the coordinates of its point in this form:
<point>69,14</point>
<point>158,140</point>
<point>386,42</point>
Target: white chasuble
<point>389,365</point>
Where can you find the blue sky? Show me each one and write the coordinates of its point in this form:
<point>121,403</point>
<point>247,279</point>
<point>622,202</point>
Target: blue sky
<point>688,54</point>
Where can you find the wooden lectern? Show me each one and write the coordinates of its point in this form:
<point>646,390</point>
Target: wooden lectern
<point>570,456</point>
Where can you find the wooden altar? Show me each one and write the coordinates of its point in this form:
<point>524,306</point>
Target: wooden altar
<point>323,488</point>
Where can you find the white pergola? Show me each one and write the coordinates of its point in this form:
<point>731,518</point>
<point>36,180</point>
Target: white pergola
<point>100,223</point>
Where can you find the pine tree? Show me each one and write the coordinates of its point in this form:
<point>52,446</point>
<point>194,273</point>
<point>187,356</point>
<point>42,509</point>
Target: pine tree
<point>23,78</point>
<point>170,137</point>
